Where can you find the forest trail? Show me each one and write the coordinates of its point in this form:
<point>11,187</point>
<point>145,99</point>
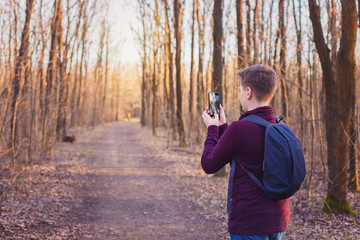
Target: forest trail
<point>127,192</point>
<point>118,181</point>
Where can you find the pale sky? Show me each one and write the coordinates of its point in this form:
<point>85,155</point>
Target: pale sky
<point>122,16</point>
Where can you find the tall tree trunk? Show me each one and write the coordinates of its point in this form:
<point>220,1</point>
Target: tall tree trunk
<point>61,120</point>
<point>255,35</point>
<point>171,104</point>
<point>298,28</point>
<point>217,58</point>
<point>166,74</point>
<point>155,81</point>
<point>106,77</point>
<point>284,100</point>
<point>78,94</point>
<point>154,90</point>
<point>20,68</point>
<point>263,40</point>
<point>192,68</point>
<point>248,31</point>
<point>180,123</point>
<point>200,74</point>
<point>338,85</point>
<point>50,91</point>
<point>359,11</point>
<point>353,156</point>
<point>354,134</point>
<point>71,98</point>
<point>143,63</point>
<point>333,29</point>
<point>99,76</point>
<point>40,75</point>
<point>269,36</point>
<point>240,34</point>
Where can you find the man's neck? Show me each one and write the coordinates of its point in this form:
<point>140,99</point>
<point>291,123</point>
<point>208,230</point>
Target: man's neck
<point>256,104</point>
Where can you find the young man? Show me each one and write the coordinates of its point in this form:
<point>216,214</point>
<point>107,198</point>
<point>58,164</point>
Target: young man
<point>253,214</point>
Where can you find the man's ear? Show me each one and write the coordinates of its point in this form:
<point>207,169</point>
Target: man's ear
<point>249,93</point>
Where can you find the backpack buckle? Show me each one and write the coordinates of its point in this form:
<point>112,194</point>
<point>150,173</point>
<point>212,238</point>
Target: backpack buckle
<point>279,119</point>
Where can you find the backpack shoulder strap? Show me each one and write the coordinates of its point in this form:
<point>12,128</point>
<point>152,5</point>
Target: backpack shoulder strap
<point>257,120</point>
<point>231,179</point>
<point>252,176</point>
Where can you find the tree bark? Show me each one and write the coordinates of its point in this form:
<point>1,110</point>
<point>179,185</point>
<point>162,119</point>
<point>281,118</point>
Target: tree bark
<point>192,67</point>
<point>156,39</point>
<point>240,34</point>
<point>359,12</point>
<point>248,31</point>
<point>338,85</point>
<point>353,156</point>
<point>180,123</point>
<point>200,73</point>
<point>217,57</point>
<point>284,95</point>
<point>298,29</point>
<point>21,63</point>
<point>144,65</point>
<point>61,119</point>
<point>171,104</point>
<point>50,91</point>
<point>270,49</point>
<point>20,68</point>
<point>106,77</point>
<point>255,34</point>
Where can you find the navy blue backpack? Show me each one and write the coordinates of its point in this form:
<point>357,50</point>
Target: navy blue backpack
<point>284,164</point>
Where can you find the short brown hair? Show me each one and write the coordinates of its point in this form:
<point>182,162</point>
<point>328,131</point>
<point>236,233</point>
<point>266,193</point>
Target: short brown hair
<point>261,79</point>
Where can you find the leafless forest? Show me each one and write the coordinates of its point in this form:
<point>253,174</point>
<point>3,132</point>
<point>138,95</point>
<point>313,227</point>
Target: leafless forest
<point>59,70</point>
<point>189,48</point>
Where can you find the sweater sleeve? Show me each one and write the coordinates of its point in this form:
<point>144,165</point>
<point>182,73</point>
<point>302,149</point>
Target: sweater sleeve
<point>219,151</point>
<point>222,129</point>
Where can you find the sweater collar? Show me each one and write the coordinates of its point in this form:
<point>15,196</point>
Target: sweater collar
<point>265,112</point>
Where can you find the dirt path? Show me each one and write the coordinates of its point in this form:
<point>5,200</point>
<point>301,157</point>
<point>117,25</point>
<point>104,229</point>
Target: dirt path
<point>118,181</point>
<point>128,193</point>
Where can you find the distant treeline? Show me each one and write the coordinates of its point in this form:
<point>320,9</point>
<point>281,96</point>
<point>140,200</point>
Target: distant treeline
<point>49,82</point>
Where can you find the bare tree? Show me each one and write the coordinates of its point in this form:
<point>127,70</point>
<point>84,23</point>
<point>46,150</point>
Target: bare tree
<point>21,65</point>
<point>217,57</point>
<point>299,47</point>
<point>192,65</point>
<point>50,95</point>
<point>353,156</point>
<point>171,107</point>
<point>240,34</point>
<point>143,63</point>
<point>178,19</point>
<point>282,28</point>
<point>61,63</point>
<point>339,83</point>
<point>155,81</point>
<point>200,72</point>
<point>255,33</point>
<point>248,33</point>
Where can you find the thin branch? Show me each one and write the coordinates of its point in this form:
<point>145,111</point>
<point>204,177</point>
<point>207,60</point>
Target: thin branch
<point>301,89</point>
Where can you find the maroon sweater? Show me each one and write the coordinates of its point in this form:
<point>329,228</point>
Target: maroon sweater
<point>252,212</point>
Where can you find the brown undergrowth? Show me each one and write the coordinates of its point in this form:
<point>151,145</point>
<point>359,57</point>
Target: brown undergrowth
<point>47,201</point>
<point>307,220</point>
